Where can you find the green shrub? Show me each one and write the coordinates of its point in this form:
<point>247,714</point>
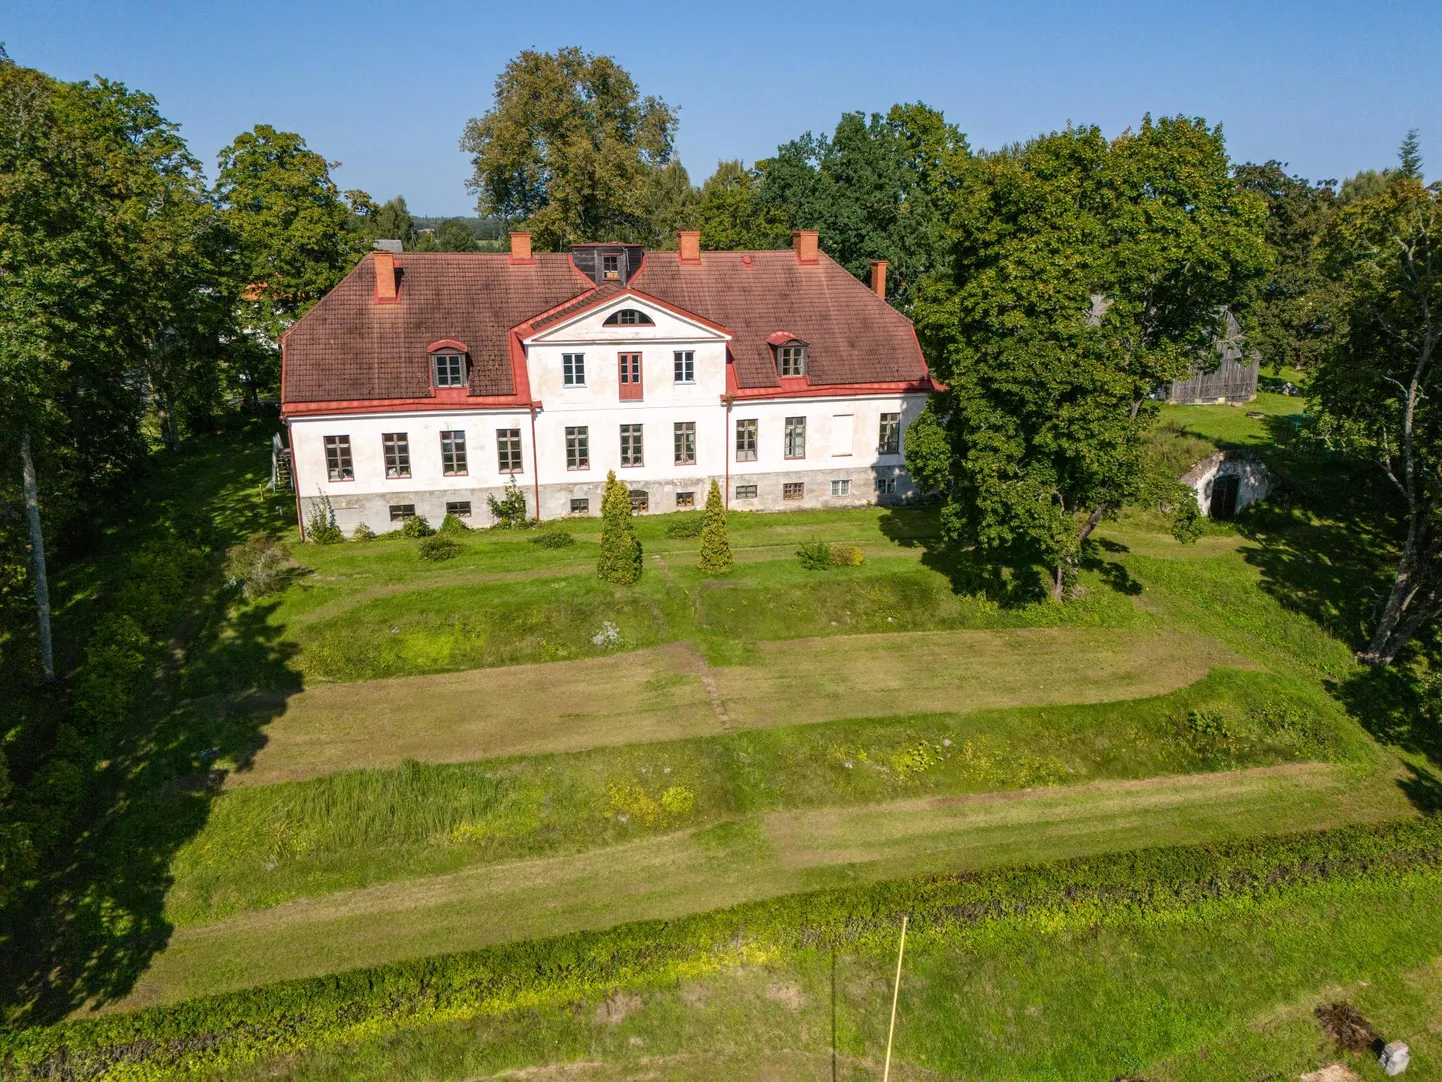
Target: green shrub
<point>438,547</point>
<point>685,525</point>
<point>257,566</point>
<point>321,528</point>
<point>1145,886</point>
<point>715,548</point>
<point>453,524</point>
<point>846,556</point>
<point>416,526</point>
<point>362,532</point>
<point>814,555</point>
<point>620,560</point>
<point>509,512</point>
<point>553,539</point>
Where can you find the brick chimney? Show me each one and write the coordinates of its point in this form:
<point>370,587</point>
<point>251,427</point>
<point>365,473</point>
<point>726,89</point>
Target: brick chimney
<point>385,278</point>
<point>688,244</point>
<point>521,248</point>
<point>804,242</point>
<point>878,277</point>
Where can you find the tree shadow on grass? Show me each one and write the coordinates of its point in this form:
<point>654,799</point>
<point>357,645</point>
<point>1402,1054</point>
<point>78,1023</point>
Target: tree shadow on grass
<point>94,917</point>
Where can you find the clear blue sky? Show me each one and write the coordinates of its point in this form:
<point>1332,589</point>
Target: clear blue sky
<point>385,88</point>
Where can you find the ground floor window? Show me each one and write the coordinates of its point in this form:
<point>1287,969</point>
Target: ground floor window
<point>397,448</point>
<point>402,511</point>
<point>685,443</point>
<point>459,508</point>
<point>639,500</point>
<point>745,492</point>
<point>581,506</point>
<point>578,448</point>
<point>337,459</point>
<point>685,499</point>
<point>746,440</point>
<point>841,487</point>
<point>885,486</point>
<point>453,453</point>
<point>508,450</point>
<point>793,490</point>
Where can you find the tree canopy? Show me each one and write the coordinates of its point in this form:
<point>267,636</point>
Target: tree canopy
<point>1085,275</point>
<point>1377,391</point>
<point>568,147</point>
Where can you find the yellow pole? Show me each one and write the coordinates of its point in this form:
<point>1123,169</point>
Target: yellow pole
<point>895,992</point>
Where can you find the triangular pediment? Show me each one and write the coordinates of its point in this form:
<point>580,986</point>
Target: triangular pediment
<point>583,321</point>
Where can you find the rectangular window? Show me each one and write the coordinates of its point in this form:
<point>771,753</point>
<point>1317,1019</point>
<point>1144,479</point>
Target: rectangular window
<point>508,449</point>
<point>842,429</point>
<point>640,501</point>
<point>578,448</point>
<point>450,369</point>
<point>793,490</point>
<point>630,364</point>
<point>337,459</point>
<point>746,440</point>
<point>885,486</point>
<point>841,487</point>
<point>745,492</point>
<point>685,499</point>
<point>453,453</point>
<point>889,442</point>
<point>402,511</point>
<point>581,506</point>
<point>795,437</point>
<point>610,266</point>
<point>459,508</point>
<point>398,454</point>
<point>573,369</point>
<point>791,360</point>
<point>685,443</point>
<point>685,365</point>
<point>631,448</point>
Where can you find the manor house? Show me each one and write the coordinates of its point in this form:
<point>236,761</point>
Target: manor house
<point>426,382</point>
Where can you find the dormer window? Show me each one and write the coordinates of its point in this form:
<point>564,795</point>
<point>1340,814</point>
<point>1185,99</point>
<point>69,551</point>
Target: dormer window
<point>629,317</point>
<point>791,359</point>
<point>611,267</point>
<point>449,369</point>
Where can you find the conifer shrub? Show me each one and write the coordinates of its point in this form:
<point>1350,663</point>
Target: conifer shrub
<point>417,526</point>
<point>620,560</point>
<point>453,524</point>
<point>715,548</point>
<point>509,511</point>
<point>362,532</point>
<point>438,547</point>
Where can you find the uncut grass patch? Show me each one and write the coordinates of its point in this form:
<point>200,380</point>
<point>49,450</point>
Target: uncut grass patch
<point>451,628</point>
<point>266,844</point>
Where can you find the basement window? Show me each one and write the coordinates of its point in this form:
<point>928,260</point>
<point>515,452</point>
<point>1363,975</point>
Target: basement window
<point>685,499</point>
<point>793,490</point>
<point>402,511</point>
<point>745,492</point>
<point>581,506</point>
<point>459,508</point>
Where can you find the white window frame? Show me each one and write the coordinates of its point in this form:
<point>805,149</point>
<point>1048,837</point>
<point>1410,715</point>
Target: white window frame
<point>683,363</point>
<point>573,369</point>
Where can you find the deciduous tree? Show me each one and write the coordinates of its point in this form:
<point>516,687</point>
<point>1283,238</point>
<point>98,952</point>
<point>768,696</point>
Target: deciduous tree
<point>1086,274</point>
<point>730,214</point>
<point>1378,391</point>
<point>568,147</point>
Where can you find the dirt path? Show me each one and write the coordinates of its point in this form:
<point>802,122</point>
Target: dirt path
<point>782,852</point>
<point>668,693</point>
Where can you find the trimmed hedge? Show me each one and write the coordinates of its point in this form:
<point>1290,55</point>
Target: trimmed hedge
<point>1179,884</point>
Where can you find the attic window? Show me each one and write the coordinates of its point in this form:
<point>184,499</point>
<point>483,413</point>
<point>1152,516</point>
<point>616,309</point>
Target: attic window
<point>791,359</point>
<point>629,317</point>
<point>448,369</point>
<point>611,266</point>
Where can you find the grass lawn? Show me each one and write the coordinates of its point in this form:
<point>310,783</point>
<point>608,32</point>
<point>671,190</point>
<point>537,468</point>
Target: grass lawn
<point>1225,996</point>
<point>760,856</point>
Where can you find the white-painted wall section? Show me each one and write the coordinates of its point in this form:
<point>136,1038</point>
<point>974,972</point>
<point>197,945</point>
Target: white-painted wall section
<point>839,462</point>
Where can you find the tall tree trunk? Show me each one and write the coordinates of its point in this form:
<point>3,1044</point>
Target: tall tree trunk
<point>1058,587</point>
<point>1413,601</point>
<point>37,549</point>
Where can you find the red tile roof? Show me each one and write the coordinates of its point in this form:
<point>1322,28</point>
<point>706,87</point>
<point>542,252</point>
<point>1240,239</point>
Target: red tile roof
<point>349,348</point>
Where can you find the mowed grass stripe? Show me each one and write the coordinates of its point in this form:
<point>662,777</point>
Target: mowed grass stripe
<point>765,856</point>
<point>658,694</point>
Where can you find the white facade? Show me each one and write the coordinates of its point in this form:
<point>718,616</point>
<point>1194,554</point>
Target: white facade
<point>575,371</point>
